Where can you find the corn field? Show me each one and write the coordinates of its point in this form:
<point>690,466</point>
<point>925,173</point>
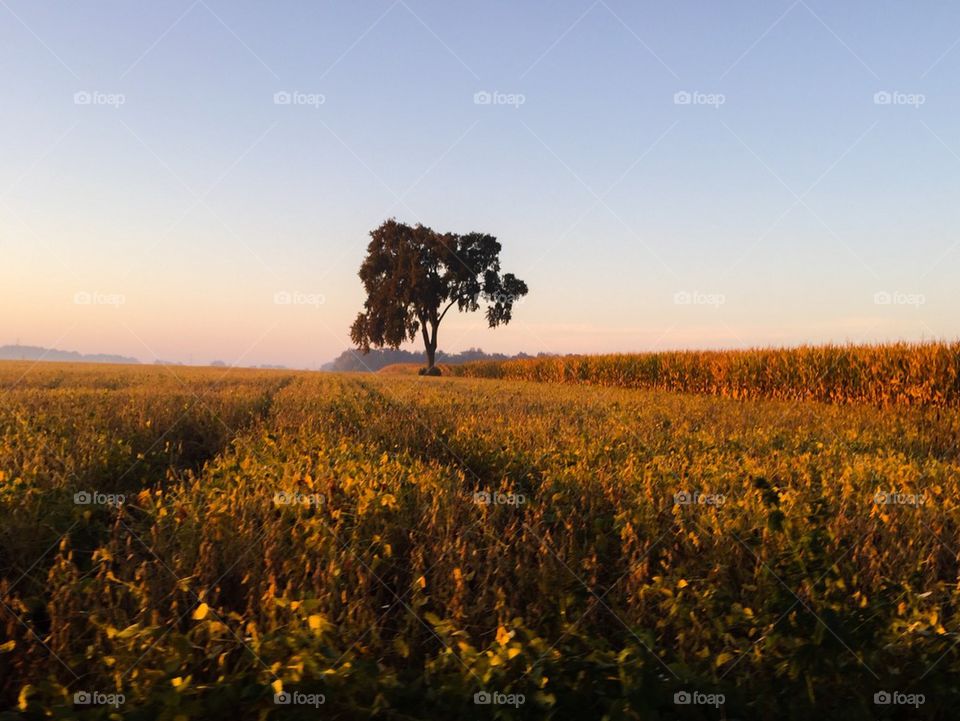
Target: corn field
<point>903,373</point>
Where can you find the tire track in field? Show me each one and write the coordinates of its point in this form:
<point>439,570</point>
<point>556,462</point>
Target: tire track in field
<point>531,532</point>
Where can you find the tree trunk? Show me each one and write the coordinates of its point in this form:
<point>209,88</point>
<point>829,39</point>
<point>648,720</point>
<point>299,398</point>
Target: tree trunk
<point>430,345</point>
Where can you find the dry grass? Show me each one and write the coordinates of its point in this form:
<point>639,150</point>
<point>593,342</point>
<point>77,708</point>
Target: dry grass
<point>412,369</point>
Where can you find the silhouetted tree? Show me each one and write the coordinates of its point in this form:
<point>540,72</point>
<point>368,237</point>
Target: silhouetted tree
<point>414,275</point>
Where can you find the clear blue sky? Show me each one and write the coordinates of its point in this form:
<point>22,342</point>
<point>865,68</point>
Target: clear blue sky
<point>780,201</point>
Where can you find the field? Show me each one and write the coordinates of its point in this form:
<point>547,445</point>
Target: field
<point>892,374</point>
<point>181,543</point>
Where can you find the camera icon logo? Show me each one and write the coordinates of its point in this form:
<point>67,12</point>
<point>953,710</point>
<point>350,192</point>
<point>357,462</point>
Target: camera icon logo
<point>283,699</point>
<point>82,698</point>
<point>282,97</point>
<point>882,698</point>
<point>882,97</point>
<point>482,497</point>
<point>682,698</point>
<point>82,498</point>
<point>682,98</point>
<point>82,97</point>
<point>482,698</point>
<point>482,97</point>
<point>683,498</point>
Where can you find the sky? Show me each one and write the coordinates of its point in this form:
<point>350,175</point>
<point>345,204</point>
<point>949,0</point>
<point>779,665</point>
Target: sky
<point>196,179</point>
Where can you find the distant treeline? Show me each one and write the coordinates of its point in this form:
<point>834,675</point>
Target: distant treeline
<point>354,360</point>
<point>896,373</point>
<point>36,353</point>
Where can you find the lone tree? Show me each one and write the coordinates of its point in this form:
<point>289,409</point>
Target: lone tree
<point>414,275</point>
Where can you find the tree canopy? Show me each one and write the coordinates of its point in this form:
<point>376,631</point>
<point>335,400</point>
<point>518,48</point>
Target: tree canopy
<point>414,275</point>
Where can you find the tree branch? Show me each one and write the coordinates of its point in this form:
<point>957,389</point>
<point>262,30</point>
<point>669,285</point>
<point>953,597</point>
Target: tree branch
<point>449,306</point>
